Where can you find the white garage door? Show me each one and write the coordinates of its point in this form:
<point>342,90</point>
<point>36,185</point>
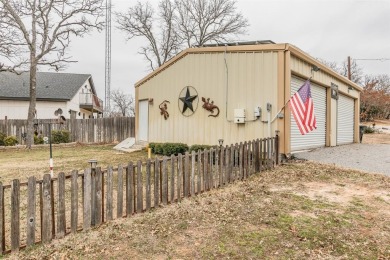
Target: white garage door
<point>345,120</point>
<point>316,138</point>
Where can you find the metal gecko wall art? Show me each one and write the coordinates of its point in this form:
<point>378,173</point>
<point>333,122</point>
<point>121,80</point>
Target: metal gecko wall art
<point>164,109</point>
<point>209,106</point>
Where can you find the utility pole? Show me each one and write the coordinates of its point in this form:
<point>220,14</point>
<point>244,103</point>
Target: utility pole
<point>349,67</point>
<point>108,59</point>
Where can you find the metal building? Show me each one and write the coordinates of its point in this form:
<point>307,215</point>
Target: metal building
<point>236,92</point>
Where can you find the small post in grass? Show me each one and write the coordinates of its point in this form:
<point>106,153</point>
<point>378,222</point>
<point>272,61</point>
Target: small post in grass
<point>51,153</point>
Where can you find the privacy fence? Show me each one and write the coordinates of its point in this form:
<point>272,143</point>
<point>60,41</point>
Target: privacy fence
<point>41,210</point>
<point>98,130</point>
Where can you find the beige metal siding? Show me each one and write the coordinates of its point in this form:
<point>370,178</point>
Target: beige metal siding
<point>303,68</point>
<point>252,81</point>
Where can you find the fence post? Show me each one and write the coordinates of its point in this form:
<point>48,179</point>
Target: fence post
<point>227,162</point>
<point>119,204</point>
<point>156,183</point>
<point>205,170</point>
<point>15,210</point>
<point>222,162</point>
<point>2,222</point>
<point>87,200</point>
<point>164,186</point>
<point>200,172</point>
<point>231,165</point>
<point>46,209</point>
<point>148,195</point>
<point>212,169</point>
<point>31,211</point>
<point>61,222</point>
<point>187,175</point>
<point>98,197</point>
<point>193,173</point>
<point>173,159</point>
<point>74,202</point>
<point>179,175</point>
<point>140,197</point>
<point>217,170</point>
<point>110,193</point>
<point>277,147</point>
<point>129,190</point>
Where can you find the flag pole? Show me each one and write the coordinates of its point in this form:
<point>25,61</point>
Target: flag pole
<point>286,103</point>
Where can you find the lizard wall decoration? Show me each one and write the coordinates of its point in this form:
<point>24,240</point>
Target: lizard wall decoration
<point>209,106</point>
<point>164,109</point>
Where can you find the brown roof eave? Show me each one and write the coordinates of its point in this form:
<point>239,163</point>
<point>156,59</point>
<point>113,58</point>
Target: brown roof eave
<point>306,57</point>
<point>38,99</point>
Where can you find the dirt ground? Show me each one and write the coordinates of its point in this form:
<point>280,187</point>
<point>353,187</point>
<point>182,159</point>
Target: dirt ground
<point>300,210</point>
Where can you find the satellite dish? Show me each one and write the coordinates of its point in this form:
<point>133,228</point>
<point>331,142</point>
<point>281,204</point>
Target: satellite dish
<point>58,112</point>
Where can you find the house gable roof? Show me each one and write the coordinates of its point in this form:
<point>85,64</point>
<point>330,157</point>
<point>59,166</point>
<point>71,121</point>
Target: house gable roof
<point>50,85</point>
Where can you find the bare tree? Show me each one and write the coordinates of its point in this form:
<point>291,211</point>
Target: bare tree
<point>38,32</point>
<point>123,103</point>
<point>180,24</point>
<point>375,97</point>
<point>357,74</point>
<point>138,22</point>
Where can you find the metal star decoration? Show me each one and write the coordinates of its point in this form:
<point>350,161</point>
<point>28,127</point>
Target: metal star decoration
<point>187,101</point>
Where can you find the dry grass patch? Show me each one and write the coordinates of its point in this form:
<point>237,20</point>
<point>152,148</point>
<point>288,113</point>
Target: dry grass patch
<point>300,210</point>
<point>21,164</point>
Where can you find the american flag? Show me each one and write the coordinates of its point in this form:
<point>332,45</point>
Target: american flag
<point>302,108</point>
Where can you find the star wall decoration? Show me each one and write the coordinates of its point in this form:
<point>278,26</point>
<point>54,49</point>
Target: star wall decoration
<point>188,101</point>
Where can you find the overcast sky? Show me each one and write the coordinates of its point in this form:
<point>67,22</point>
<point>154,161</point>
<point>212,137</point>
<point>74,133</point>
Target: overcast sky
<point>331,30</point>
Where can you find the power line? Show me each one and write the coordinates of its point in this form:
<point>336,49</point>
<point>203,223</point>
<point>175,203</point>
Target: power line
<point>380,59</point>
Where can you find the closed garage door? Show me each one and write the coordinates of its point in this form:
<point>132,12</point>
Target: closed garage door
<point>345,120</point>
<point>315,138</point>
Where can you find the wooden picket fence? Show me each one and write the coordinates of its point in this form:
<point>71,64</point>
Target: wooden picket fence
<point>41,210</point>
<point>91,130</point>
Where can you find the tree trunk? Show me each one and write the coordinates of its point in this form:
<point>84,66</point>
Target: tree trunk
<point>32,106</point>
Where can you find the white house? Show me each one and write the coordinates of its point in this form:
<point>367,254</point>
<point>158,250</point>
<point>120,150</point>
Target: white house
<point>70,95</point>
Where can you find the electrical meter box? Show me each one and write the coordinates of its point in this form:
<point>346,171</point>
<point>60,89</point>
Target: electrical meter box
<point>239,115</point>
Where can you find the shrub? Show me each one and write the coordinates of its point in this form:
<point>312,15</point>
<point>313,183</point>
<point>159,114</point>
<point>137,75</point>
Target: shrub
<point>369,130</point>
<point>152,146</point>
<point>10,140</point>
<point>2,137</point>
<point>168,149</point>
<point>197,147</point>
<point>60,136</point>
<point>38,139</point>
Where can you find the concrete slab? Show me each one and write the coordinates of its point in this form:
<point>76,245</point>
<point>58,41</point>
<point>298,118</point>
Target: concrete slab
<point>125,144</point>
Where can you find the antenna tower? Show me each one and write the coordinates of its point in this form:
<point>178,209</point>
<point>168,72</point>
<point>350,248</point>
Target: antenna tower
<point>108,59</point>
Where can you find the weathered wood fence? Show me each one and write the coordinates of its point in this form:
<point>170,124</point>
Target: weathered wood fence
<point>41,210</point>
<point>94,130</point>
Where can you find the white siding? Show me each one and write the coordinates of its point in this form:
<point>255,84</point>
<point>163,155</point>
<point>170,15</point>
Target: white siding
<point>13,109</point>
<point>315,138</point>
<point>345,120</point>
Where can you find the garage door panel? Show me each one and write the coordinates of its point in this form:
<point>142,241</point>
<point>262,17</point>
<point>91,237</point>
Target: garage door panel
<point>345,120</point>
<point>315,138</point>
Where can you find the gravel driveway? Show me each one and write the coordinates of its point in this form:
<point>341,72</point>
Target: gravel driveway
<point>366,157</point>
